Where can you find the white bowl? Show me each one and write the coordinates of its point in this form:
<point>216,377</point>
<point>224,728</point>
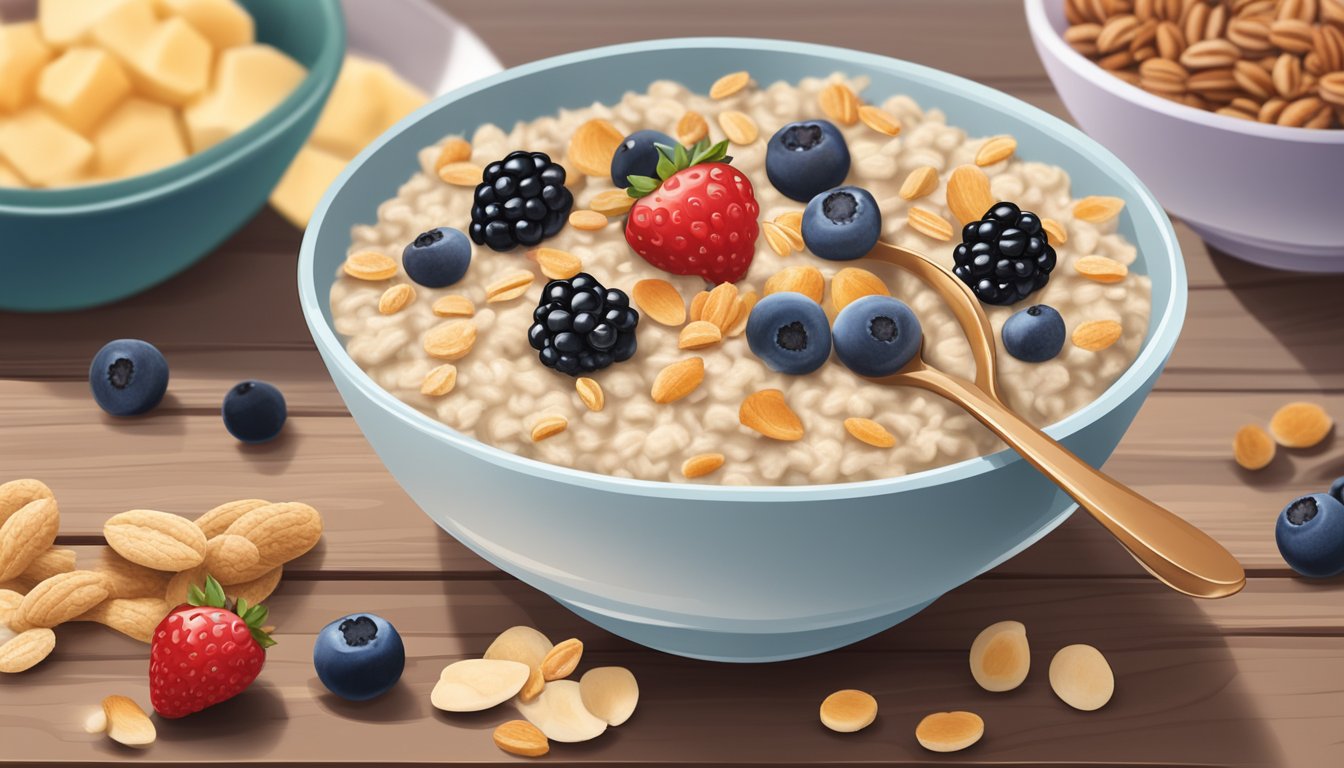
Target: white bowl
<point>420,41</point>
<point>1264,193</point>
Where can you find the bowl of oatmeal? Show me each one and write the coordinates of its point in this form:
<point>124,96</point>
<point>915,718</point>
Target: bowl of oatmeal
<point>680,489</point>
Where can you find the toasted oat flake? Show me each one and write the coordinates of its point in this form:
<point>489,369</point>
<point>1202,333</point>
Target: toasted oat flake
<point>804,279</point>
<point>394,299</point>
<point>776,239</point>
<point>919,183</point>
<point>439,381</point>
<point>880,120</point>
<point>588,221</point>
<point>995,149</point>
<point>745,303</point>
<point>701,464</point>
<point>612,202</point>
<point>721,305</point>
<point>677,380</point>
<point>548,426</point>
<point>929,224</point>
<point>768,413</point>
<point>968,193</point>
<point>698,301</point>
<point>738,127</point>
<point>451,340</point>
<point>660,301</point>
<point>592,146</point>
<point>461,174</point>
<point>519,737</point>
<point>1096,335</point>
<point>729,84</point>
<point>1056,232</point>
<point>792,221</point>
<point>454,150</point>
<point>509,287</point>
<point>556,264</point>
<point>852,283</point>
<point>370,265</point>
<point>453,305</point>
<point>1101,269</point>
<point>839,102</point>
<point>870,432</point>
<point>590,393</point>
<point>699,334</point>
<point>1098,208</point>
<point>691,128</point>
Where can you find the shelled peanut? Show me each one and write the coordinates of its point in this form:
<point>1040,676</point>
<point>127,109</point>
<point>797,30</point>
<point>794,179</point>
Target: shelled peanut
<point>153,557</point>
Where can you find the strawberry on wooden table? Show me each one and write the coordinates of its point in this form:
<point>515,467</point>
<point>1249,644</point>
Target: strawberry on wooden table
<point>698,217</point>
<point>203,653</point>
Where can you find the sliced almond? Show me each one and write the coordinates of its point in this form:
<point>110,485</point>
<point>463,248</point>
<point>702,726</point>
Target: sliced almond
<point>729,84</point>
<point>806,280</point>
<point>588,221</point>
<point>524,645</point>
<point>590,393</point>
<point>561,661</point>
<point>25,650</point>
<point>949,731</point>
<point>1096,335</point>
<point>560,714</point>
<point>1098,208</point>
<point>509,287</point>
<point>519,737</point>
<point>1101,269</point>
<point>699,334</point>
<point>439,381</point>
<point>370,265</point>
<point>454,150</point>
<point>848,710</point>
<point>995,149</point>
<point>451,340</point>
<point>461,174</point>
<point>851,284</point>
<point>697,310</point>
<point>1300,425</point>
<point>612,202</point>
<point>1081,677</point>
<point>1055,231</point>
<point>96,722</point>
<point>968,193</point>
<point>1001,656</point>
<point>839,102</point>
<point>793,221</point>
<point>870,432</point>
<point>548,426</point>
<point>395,299</point>
<point>929,224</point>
<point>610,693</point>
<point>473,685</point>
<point>700,465</point>
<point>592,147</point>
<point>721,305</point>
<point>659,300</point>
<point>678,380</point>
<point>556,264</point>
<point>794,235</point>
<point>1253,448</point>
<point>738,127</point>
<point>745,303</point>
<point>768,413</point>
<point>454,306</point>
<point>692,127</point>
<point>919,183</point>
<point>779,242</point>
<point>879,120</point>
<point>127,723</point>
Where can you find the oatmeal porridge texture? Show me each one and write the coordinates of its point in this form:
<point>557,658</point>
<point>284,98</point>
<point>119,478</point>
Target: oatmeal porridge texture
<point>502,392</point>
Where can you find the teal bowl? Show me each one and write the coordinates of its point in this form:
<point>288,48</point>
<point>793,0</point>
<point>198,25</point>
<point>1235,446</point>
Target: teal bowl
<point>715,572</point>
<point>67,249</point>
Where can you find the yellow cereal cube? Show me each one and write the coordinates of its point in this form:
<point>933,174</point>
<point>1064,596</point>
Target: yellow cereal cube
<point>353,115</point>
<point>302,186</point>
<point>399,97</point>
<point>82,86</point>
<point>223,22</point>
<point>126,28</point>
<point>43,151</point>
<point>68,22</point>
<point>8,176</point>
<point>23,54</point>
<point>174,66</point>
<point>251,80</point>
<point>139,137</point>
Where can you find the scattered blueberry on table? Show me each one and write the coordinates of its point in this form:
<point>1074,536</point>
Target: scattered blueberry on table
<point>521,200</point>
<point>437,258</point>
<point>1337,489</point>
<point>637,155</point>
<point>254,411</point>
<point>877,335</point>
<point>789,332</point>
<point>842,224</point>
<point>359,657</point>
<point>806,158</point>
<point>1310,535</point>
<point>1035,334</point>
<point>128,377</point>
<point>1005,256</point>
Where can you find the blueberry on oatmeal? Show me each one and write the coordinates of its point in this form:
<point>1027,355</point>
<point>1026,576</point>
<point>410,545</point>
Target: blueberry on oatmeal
<point>437,258</point>
<point>1035,334</point>
<point>1005,256</point>
<point>580,327</point>
<point>521,200</point>
<point>877,335</point>
<point>842,224</point>
<point>789,332</point>
<point>637,155</point>
<point>806,158</point>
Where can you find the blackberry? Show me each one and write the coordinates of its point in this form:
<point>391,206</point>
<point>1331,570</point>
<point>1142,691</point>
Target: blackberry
<point>580,327</point>
<point>521,200</point>
<point>1006,256</point>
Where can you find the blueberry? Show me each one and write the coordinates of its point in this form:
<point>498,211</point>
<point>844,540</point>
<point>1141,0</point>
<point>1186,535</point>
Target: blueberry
<point>359,657</point>
<point>254,411</point>
<point>128,377</point>
<point>807,158</point>
<point>439,257</point>
<point>1035,334</point>
<point>1310,535</point>
<point>636,156</point>
<point>789,333</point>
<point>877,335</point>
<point>842,224</point>
<point>1337,489</point>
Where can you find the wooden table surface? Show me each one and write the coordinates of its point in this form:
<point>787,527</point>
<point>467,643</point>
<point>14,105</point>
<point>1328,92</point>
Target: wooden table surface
<point>1257,679</point>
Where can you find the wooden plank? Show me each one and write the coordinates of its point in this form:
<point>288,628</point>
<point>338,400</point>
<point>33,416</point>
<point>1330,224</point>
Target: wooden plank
<point>1185,694</point>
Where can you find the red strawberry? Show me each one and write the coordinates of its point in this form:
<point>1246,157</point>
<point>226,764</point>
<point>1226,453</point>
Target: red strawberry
<point>698,217</point>
<point>202,653</point>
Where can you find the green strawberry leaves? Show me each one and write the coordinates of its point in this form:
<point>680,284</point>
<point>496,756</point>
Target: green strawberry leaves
<point>254,616</point>
<point>212,597</point>
<point>672,159</point>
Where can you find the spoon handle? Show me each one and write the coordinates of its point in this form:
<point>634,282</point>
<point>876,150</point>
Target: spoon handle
<point>1176,552</point>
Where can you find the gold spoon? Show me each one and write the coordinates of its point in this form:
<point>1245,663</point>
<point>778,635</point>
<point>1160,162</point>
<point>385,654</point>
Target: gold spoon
<point>1180,555</point>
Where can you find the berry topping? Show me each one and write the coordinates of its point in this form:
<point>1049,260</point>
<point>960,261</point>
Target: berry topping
<point>637,155</point>
<point>842,224</point>
<point>128,377</point>
<point>1310,535</point>
<point>877,335</point>
<point>254,411</point>
<point>789,332</point>
<point>359,657</point>
<point>580,326</point>
<point>805,159</point>
<point>1035,334</point>
<point>697,217</point>
<point>521,200</point>
<point>437,258</point>
<point>1004,257</point>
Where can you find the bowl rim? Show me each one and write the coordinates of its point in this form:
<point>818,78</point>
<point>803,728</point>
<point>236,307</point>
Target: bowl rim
<point>1048,35</point>
<point>68,201</point>
<point>1165,328</point>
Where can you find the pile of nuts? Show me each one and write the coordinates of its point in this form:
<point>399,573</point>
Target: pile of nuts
<point>1295,425</point>
<point>154,558</point>
<point>1272,61</point>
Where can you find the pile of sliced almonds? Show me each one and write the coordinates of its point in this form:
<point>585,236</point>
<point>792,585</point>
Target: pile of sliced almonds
<point>523,665</point>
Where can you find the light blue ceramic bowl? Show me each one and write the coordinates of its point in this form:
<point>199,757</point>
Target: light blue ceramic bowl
<point>731,573</point>
<point>63,249</point>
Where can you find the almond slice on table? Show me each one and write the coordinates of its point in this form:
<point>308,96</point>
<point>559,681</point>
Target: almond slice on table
<point>659,300</point>
<point>1001,656</point>
<point>767,412</point>
<point>473,685</point>
<point>1101,269</point>
<point>870,432</point>
<point>1253,448</point>
<point>848,710</point>
<point>968,193</point>
<point>134,617</point>
<point>281,531</point>
<point>158,540</point>
<point>16,494</point>
<point>949,731</point>
<point>610,693</point>
<point>25,649</point>
<point>592,147</point>
<point>126,723</point>
<point>879,120</point>
<point>218,519</point>
<point>729,84</point>
<point>699,334</point>
<point>1300,425</point>
<point>806,280</point>
<point>59,599</point>
<point>453,306</point>
<point>232,558</point>
<point>561,661</point>
<point>519,737</point>
<point>852,283</point>
<point>556,264</point>
<point>677,380</point>
<point>527,646</point>
<point>28,531</point>
<point>560,714</point>
<point>1081,677</point>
